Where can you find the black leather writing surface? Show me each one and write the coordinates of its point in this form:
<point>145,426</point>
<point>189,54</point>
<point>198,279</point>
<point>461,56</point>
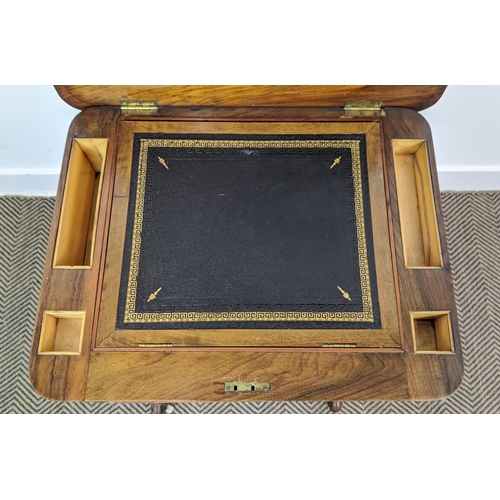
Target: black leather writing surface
<point>248,232</point>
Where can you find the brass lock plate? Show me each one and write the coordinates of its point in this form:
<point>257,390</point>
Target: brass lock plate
<point>246,387</point>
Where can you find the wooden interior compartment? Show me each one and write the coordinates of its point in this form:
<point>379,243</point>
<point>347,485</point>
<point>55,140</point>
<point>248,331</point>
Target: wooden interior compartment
<point>417,211</point>
<point>432,332</point>
<point>62,332</point>
<point>80,207</point>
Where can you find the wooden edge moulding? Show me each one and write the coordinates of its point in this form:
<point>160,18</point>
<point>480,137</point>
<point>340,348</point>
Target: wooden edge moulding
<point>69,363</point>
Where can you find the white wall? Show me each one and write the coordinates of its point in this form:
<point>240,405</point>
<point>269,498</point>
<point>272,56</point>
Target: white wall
<point>466,136</point>
<point>34,122</point>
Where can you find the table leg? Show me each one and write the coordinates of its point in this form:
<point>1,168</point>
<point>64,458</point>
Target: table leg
<point>157,408</point>
<point>161,408</point>
<point>335,406</point>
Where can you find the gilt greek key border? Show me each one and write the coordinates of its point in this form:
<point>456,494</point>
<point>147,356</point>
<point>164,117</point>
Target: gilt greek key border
<point>131,316</point>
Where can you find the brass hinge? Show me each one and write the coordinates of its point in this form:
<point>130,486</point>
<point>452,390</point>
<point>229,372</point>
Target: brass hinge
<point>340,345</point>
<point>165,344</point>
<point>140,108</point>
<point>246,387</point>
<point>362,108</point>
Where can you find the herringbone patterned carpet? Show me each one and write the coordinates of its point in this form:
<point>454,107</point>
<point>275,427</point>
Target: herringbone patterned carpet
<point>473,230</point>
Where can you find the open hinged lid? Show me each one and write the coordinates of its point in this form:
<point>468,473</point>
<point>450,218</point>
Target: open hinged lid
<point>416,97</point>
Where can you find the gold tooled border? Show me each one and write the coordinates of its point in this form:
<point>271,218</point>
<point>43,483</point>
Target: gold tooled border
<point>133,317</point>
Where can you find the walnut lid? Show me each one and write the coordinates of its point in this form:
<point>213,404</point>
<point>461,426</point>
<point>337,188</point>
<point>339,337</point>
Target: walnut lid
<point>417,97</point>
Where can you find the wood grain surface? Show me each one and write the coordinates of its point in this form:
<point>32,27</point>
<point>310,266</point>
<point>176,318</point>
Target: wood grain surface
<point>408,96</point>
<point>422,289</point>
<point>114,373</point>
<point>57,376</point>
<point>200,376</point>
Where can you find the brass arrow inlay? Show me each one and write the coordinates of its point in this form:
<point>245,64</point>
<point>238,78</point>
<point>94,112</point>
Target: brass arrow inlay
<point>344,293</point>
<point>163,162</point>
<point>153,295</point>
<point>336,162</point>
